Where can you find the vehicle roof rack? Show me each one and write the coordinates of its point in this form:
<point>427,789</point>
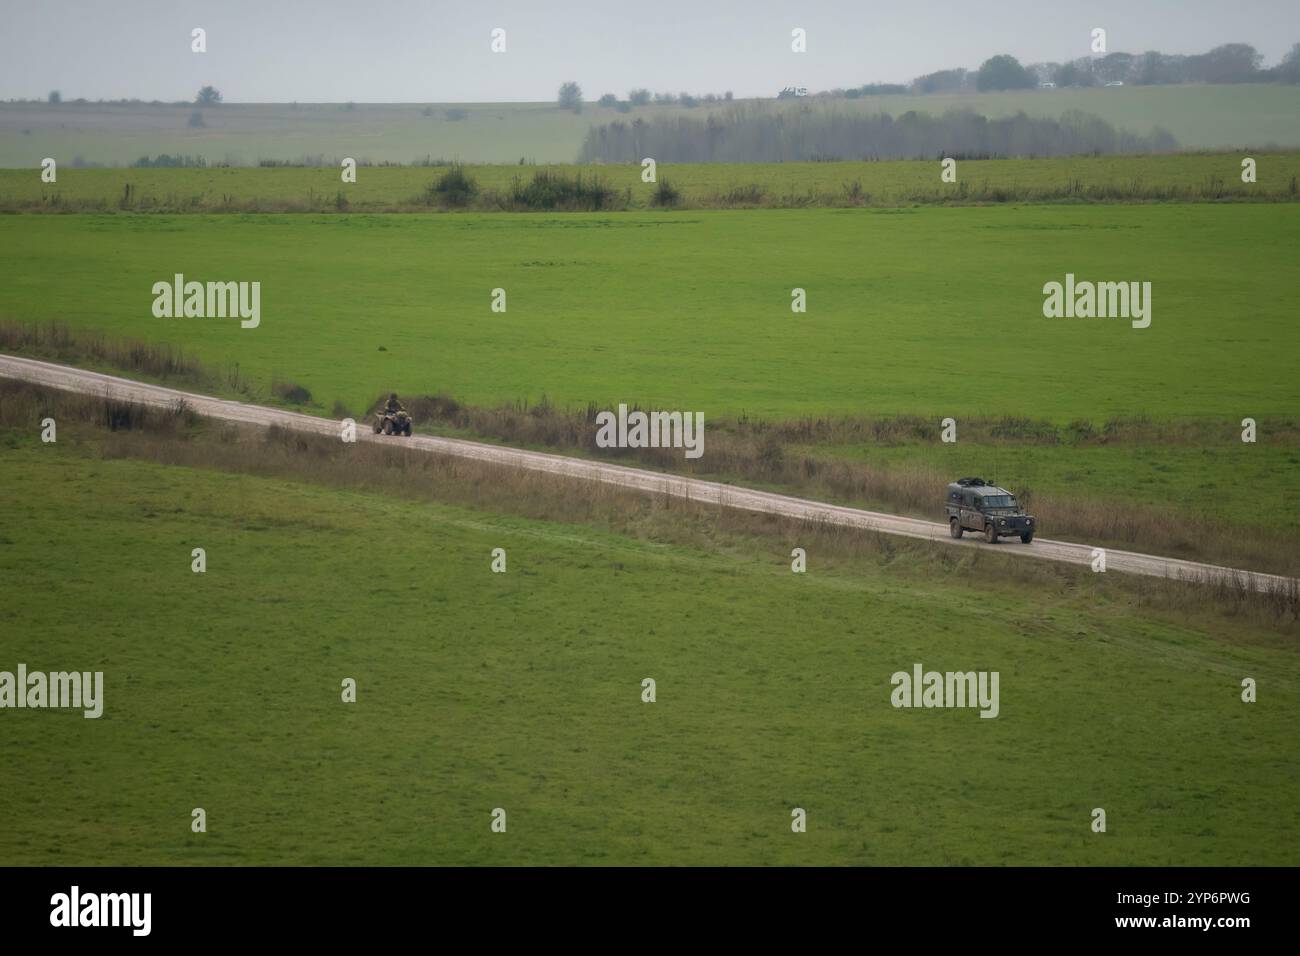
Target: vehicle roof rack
<point>971,481</point>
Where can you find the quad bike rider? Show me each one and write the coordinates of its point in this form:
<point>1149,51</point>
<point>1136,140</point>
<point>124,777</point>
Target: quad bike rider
<point>392,418</point>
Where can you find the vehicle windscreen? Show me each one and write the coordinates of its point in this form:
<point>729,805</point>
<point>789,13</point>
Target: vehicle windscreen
<point>999,501</point>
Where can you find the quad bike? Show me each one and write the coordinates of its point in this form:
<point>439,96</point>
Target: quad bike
<point>393,423</point>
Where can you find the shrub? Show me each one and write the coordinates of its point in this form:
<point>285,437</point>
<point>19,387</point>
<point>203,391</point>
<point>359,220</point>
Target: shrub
<point>550,190</point>
<point>665,194</point>
<point>291,392</point>
<point>456,188</point>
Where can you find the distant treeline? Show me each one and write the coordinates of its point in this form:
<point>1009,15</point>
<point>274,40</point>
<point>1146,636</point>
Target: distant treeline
<point>748,134</point>
<point>166,161</point>
<point>1227,63</point>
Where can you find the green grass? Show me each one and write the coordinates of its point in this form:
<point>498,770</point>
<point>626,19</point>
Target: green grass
<point>1200,117</point>
<point>522,691</point>
<point>929,311</point>
<point>882,183</point>
<point>244,133</point>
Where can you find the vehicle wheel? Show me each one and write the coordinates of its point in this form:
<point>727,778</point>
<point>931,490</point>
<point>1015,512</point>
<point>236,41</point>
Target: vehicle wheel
<point>388,427</point>
<point>408,429</point>
<point>954,527</point>
<point>378,426</point>
<point>990,534</point>
<point>1027,537</point>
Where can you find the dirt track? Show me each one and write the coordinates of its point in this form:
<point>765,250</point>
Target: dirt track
<point>77,380</point>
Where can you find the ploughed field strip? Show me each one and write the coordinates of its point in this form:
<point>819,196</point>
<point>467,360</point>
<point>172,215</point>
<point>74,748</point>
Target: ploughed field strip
<point>728,496</point>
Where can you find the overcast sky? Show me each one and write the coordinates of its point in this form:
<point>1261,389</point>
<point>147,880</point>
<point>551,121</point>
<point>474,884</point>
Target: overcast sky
<point>430,50</point>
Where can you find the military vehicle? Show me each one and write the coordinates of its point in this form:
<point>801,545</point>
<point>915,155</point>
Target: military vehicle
<point>977,505</point>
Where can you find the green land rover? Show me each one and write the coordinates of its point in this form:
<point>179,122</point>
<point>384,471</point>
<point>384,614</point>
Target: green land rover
<point>981,506</point>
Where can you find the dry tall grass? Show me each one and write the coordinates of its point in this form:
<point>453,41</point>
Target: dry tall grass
<point>177,437</point>
<point>553,191</point>
<point>58,342</point>
<point>797,456</point>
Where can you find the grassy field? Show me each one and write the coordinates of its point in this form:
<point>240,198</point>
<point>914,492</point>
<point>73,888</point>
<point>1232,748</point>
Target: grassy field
<point>386,188</point>
<point>522,691</point>
<point>651,308</point>
<point>936,312</point>
<point>243,134</point>
<point>1199,117</point>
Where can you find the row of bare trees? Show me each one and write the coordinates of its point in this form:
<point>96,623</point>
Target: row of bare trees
<point>769,133</point>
